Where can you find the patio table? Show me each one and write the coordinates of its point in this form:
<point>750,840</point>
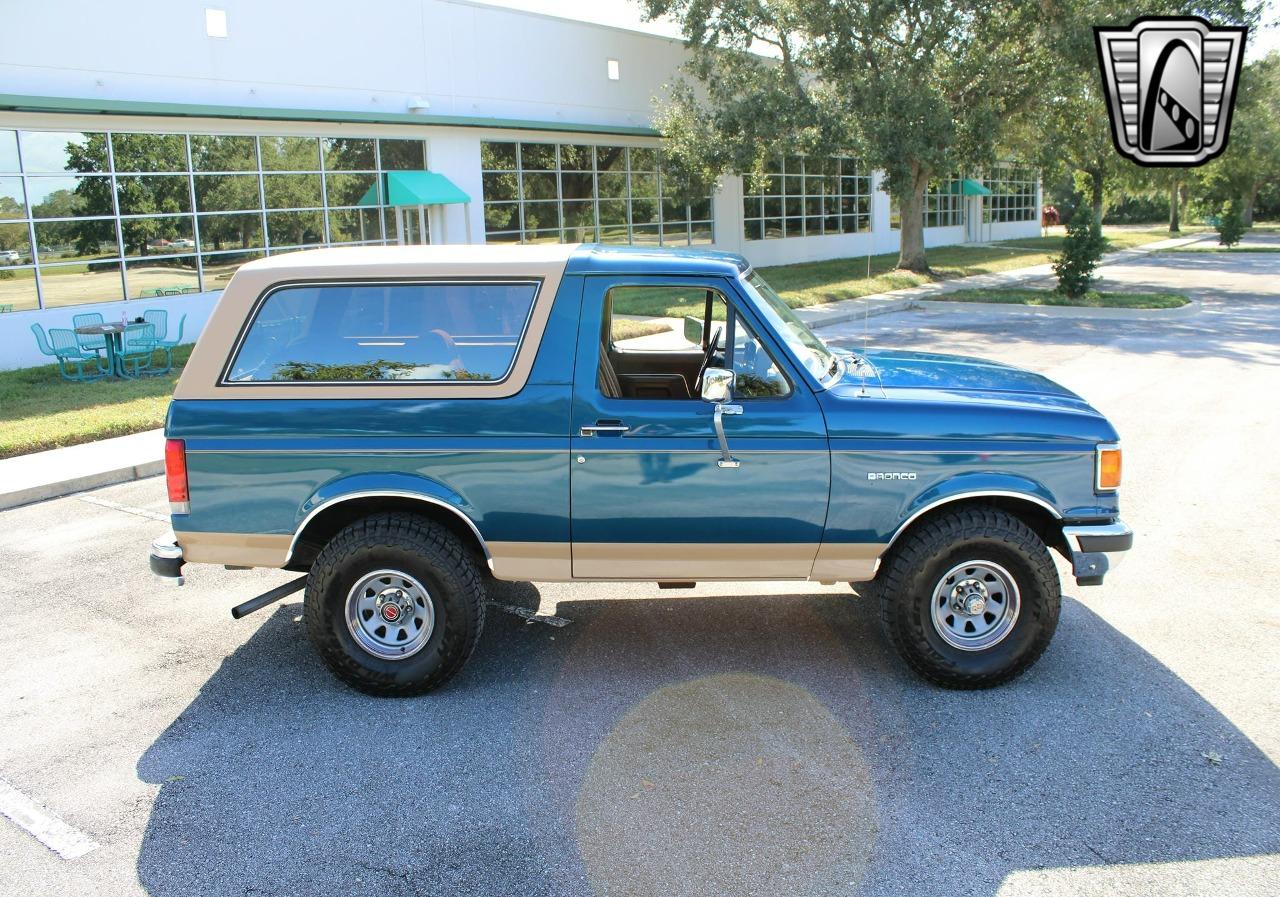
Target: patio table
<point>114,334</point>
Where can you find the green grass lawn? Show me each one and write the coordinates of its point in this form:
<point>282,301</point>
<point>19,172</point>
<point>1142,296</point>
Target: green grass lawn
<point>1028,296</point>
<point>39,410</point>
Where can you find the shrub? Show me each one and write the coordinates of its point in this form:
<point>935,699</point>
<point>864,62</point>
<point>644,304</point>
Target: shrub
<point>1230,224</point>
<point>1081,251</point>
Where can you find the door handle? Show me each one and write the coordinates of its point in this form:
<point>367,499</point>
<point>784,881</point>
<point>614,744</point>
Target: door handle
<point>616,428</point>
<point>726,459</point>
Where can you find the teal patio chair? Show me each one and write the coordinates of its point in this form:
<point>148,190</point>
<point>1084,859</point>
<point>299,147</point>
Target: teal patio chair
<point>72,361</point>
<point>138,351</point>
<point>159,318</point>
<point>90,343</point>
<point>167,346</point>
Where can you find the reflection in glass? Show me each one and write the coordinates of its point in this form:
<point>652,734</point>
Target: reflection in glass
<point>354,226</point>
<point>153,194</point>
<point>295,228</point>
<point>51,151</point>
<point>238,231</point>
<point>290,153</point>
<point>292,191</point>
<point>18,289</point>
<point>15,245</point>
<point>350,189</point>
<point>500,186</point>
<point>64,285</point>
<point>219,268</point>
<point>167,235</point>
<point>227,192</point>
<point>162,276</point>
<point>12,201</point>
<point>496,156</point>
<point>70,196</point>
<point>9,151</point>
<point>403,155</point>
<point>538,156</point>
<point>83,239</point>
<point>220,152</point>
<point>501,217</point>
<point>348,154</point>
<point>149,152</point>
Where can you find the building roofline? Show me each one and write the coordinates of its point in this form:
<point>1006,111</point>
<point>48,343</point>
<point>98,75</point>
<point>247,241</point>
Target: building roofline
<point>481,4</point>
<point>99,106</point>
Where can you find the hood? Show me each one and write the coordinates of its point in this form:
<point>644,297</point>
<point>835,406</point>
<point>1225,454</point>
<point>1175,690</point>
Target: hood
<point>959,377</point>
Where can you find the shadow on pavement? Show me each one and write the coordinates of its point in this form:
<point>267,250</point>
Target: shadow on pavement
<point>701,745</point>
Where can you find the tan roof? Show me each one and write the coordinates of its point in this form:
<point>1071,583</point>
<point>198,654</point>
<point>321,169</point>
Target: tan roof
<point>312,260</point>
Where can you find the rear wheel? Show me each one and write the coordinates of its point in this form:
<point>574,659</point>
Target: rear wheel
<point>394,604</point>
<point>971,598</point>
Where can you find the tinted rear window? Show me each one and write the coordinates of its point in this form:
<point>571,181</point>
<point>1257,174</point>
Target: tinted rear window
<point>402,332</point>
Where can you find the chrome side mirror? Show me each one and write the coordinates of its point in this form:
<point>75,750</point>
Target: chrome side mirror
<point>717,385</point>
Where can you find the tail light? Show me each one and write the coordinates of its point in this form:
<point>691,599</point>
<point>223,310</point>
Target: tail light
<point>175,473</point>
<point>1108,468</point>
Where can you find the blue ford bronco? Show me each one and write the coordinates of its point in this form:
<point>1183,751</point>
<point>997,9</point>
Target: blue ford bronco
<point>405,424</point>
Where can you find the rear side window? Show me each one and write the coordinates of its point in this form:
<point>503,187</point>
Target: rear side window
<point>396,332</point>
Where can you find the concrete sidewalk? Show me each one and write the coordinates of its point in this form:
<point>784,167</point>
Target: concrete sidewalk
<point>42,475</point>
<point>31,478</point>
<point>819,316</point>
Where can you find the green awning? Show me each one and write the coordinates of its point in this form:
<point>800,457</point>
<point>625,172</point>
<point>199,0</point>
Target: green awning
<point>415,188</point>
<point>968,187</point>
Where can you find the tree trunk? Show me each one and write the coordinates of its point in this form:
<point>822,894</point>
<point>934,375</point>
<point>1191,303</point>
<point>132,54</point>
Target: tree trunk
<point>1250,198</point>
<point>1095,190</point>
<point>911,255</point>
<point>1173,209</point>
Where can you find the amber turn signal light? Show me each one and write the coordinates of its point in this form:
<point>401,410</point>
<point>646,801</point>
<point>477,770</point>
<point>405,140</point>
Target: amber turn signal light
<point>1108,468</point>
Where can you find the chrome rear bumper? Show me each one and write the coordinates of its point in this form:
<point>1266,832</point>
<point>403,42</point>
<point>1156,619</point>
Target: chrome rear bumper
<point>1096,550</point>
<point>166,560</point>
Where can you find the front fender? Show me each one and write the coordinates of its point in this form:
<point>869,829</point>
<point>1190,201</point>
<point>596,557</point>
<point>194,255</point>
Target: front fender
<point>976,485</point>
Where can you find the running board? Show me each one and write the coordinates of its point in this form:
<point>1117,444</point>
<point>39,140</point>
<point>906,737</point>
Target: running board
<point>284,591</point>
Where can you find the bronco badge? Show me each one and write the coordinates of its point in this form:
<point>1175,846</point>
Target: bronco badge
<point>1170,85</point>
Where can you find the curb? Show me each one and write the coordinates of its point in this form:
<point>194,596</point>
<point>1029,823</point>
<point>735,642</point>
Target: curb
<point>1065,311</point>
<point>46,491</point>
<point>817,316</point>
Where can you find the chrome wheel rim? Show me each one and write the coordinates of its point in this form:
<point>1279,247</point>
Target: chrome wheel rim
<point>390,614</point>
<point>975,605</point>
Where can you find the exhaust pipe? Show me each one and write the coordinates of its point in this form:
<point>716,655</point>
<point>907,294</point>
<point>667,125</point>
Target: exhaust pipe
<point>271,597</point>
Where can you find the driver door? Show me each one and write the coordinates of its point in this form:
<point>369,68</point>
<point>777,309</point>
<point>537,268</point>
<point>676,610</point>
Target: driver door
<point>649,498</point>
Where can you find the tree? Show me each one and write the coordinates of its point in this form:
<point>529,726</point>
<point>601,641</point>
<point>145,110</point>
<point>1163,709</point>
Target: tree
<point>1231,225</point>
<point>1081,252</point>
<point>919,89</point>
<point>1252,159</point>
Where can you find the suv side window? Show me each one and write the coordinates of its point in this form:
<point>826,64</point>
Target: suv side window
<point>404,332</point>
<point>654,344</point>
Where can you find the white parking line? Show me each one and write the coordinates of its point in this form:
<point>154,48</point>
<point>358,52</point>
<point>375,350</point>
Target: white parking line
<point>49,830</point>
<point>116,506</point>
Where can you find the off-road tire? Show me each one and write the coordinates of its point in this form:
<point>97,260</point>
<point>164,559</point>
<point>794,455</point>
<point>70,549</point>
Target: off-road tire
<point>425,550</point>
<point>919,561</point>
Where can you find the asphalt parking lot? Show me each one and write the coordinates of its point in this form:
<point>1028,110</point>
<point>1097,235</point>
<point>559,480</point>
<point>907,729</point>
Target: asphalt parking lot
<point>735,739</point>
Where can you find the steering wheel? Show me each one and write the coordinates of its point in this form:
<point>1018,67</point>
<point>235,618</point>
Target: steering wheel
<point>706,360</point>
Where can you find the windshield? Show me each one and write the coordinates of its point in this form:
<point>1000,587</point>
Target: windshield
<point>803,343</point>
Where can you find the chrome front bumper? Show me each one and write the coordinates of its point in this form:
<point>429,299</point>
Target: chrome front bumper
<point>1096,550</point>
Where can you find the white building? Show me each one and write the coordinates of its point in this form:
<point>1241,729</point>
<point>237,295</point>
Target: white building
<point>146,153</point>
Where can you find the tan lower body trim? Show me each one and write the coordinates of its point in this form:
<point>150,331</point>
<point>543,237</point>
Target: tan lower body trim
<point>237,549</point>
<point>527,561</point>
<point>663,560</point>
<point>847,561</point>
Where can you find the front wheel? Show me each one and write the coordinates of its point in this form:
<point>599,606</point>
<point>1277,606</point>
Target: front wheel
<point>394,604</point>
<point>971,598</point>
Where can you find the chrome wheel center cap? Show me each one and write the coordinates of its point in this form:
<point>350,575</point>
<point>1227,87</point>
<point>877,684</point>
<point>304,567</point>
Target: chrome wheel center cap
<point>393,606</point>
<point>969,597</point>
